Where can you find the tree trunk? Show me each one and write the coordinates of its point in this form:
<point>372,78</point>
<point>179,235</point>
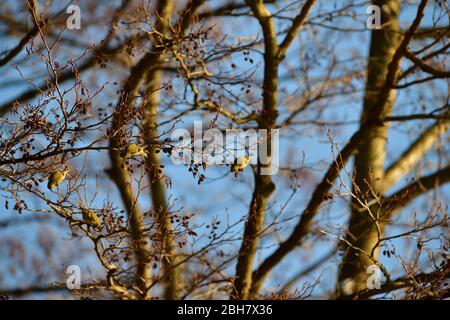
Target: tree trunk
<point>263,183</point>
<point>364,229</point>
<point>171,274</point>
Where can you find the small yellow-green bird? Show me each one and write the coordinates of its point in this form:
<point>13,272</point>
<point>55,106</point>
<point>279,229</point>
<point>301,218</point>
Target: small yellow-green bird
<point>133,150</point>
<point>90,218</point>
<point>240,164</point>
<point>56,178</point>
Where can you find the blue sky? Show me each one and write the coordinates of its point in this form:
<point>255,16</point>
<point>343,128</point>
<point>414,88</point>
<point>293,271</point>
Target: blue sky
<point>229,196</point>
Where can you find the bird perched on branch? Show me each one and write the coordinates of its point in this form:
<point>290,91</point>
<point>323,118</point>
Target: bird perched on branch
<point>91,218</point>
<point>240,164</point>
<point>56,178</point>
<point>133,150</point>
